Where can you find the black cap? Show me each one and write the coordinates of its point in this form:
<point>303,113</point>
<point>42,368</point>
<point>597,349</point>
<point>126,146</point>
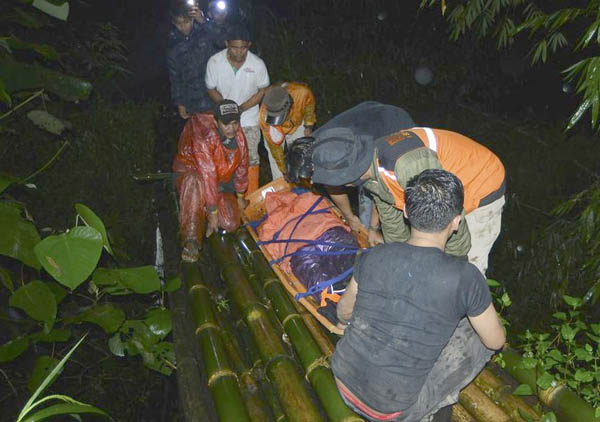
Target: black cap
<point>338,161</point>
<point>278,102</point>
<point>238,32</point>
<point>226,111</point>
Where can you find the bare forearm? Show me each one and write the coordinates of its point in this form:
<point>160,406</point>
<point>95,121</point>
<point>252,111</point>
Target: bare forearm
<point>341,200</point>
<point>215,95</point>
<point>374,216</point>
<point>252,101</point>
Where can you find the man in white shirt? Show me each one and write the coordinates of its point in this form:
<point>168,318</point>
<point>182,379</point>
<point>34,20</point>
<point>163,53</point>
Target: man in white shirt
<point>239,75</point>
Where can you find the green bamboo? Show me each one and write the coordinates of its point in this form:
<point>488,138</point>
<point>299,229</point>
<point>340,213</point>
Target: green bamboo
<point>480,406</point>
<point>567,405</point>
<point>280,368</point>
<point>221,378</point>
<point>310,354</point>
<point>256,406</point>
<point>502,395</point>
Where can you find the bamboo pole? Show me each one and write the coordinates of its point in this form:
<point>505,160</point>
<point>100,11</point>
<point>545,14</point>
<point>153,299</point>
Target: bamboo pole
<point>222,381</point>
<point>480,406</point>
<point>567,405</point>
<point>310,354</point>
<point>501,394</point>
<point>280,368</point>
<point>460,414</point>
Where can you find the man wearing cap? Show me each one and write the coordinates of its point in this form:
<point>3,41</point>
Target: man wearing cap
<point>212,170</point>
<point>239,75</point>
<point>346,157</point>
<point>419,324</point>
<point>286,114</point>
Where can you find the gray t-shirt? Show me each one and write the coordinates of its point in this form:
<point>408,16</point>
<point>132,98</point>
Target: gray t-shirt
<point>410,299</point>
<point>368,118</point>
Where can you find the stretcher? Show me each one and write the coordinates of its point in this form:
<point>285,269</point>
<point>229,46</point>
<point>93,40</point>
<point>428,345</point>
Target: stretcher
<point>255,211</point>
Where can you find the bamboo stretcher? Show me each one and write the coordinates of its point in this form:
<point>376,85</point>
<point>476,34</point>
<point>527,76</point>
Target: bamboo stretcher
<point>255,210</point>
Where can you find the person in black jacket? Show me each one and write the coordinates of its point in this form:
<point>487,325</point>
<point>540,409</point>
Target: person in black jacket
<point>190,45</point>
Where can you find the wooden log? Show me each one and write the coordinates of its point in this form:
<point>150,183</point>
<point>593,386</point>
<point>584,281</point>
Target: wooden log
<point>480,406</point>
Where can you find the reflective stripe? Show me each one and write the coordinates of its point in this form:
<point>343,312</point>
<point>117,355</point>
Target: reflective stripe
<point>430,137</point>
<point>387,173</point>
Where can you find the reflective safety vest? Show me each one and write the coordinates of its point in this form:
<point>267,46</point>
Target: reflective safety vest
<point>401,156</point>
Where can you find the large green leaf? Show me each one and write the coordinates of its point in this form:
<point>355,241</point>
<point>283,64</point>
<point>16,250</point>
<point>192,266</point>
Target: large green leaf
<point>160,357</point>
<point>71,257</point>
<point>106,315</point>
<point>121,281</point>
<point>44,50</point>
<point>133,338</point>
<point>19,236</point>
<point>159,322</point>
<point>56,9</point>
<point>91,219</point>
<point>42,367</point>
<point>58,292</point>
<point>21,77</point>
<point>172,284</point>
<point>6,279</point>
<point>5,98</point>
<point>55,335</point>
<point>65,409</point>
<point>37,300</point>
<point>13,349</point>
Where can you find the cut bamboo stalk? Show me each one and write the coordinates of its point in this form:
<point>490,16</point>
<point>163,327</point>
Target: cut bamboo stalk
<point>460,414</point>
<point>222,381</point>
<point>502,395</point>
<point>310,354</point>
<point>480,406</point>
<point>567,405</point>
<point>280,369</point>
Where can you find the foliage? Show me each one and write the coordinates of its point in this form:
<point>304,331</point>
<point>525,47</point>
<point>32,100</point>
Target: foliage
<point>48,370</point>
<point>551,26</point>
<point>569,353</point>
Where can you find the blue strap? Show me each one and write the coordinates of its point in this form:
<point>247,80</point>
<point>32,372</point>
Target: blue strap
<point>318,253</point>
<point>307,241</point>
<point>316,288</point>
<point>255,224</point>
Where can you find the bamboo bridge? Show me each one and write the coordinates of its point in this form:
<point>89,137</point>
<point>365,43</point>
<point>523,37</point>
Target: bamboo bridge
<point>241,336</point>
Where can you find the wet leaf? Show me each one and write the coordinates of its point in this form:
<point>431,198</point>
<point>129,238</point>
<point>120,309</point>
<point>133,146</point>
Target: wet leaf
<point>41,369</point>
<point>106,315</point>
<point>126,280</point>
<point>158,356</point>
<point>6,279</point>
<point>523,390</point>
<point>172,284</point>
<point>159,322</point>
<point>36,299</point>
<point>13,349</point>
<point>55,335</point>
<point>19,236</point>
<point>545,381</point>
<point>71,257</point>
<point>91,219</point>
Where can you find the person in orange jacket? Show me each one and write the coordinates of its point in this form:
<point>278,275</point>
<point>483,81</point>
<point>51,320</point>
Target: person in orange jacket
<point>212,169</point>
<point>286,114</point>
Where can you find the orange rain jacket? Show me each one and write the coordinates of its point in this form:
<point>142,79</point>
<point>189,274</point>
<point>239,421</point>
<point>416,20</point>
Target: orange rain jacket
<point>301,111</point>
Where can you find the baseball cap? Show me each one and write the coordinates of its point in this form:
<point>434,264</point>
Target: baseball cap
<point>226,111</point>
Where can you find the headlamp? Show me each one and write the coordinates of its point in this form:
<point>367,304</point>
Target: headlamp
<point>191,3</point>
<point>221,5</point>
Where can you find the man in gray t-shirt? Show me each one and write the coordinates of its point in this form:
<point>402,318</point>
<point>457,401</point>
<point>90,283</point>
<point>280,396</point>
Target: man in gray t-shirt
<point>407,349</point>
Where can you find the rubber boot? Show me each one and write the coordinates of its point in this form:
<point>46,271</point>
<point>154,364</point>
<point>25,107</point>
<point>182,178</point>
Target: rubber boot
<point>253,172</point>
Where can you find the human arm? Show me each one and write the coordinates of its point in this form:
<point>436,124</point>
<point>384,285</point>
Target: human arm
<point>346,304</point>
<point>310,117</point>
<point>175,79</point>
<point>202,150</point>
<point>487,325</point>
<point>374,236</point>
<point>214,95</point>
<point>340,199</point>
<point>253,100</point>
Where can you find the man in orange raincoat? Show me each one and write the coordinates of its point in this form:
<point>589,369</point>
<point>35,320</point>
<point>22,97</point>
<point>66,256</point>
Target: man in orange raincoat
<point>212,170</point>
<point>286,114</point>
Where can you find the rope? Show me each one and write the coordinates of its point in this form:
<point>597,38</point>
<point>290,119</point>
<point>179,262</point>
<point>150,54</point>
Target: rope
<point>219,374</point>
<point>317,363</point>
<point>287,318</point>
<point>324,284</point>
<point>205,326</point>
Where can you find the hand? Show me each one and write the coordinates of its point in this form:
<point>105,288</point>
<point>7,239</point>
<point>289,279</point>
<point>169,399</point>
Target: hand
<point>183,112</point>
<point>308,131</point>
<point>341,326</point>
<point>354,223</point>
<point>213,223</point>
<point>375,237</point>
<point>241,203</point>
<point>197,14</point>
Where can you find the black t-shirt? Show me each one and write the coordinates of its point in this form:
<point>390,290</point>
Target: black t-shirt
<point>410,299</point>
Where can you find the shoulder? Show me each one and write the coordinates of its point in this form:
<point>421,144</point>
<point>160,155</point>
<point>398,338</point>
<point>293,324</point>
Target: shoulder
<point>255,61</point>
<point>218,58</point>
